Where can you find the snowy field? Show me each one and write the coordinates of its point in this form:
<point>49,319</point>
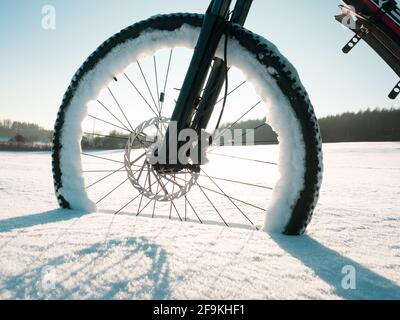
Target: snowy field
<point>47,253</point>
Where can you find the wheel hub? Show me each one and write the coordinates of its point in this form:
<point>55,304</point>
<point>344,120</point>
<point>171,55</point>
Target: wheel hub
<point>157,182</point>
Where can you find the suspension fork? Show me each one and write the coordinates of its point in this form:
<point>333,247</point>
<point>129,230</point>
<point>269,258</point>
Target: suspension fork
<point>190,99</point>
<point>214,25</point>
<point>216,79</point>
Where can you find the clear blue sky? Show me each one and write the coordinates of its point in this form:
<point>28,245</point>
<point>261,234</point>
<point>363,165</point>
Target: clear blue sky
<point>36,65</point>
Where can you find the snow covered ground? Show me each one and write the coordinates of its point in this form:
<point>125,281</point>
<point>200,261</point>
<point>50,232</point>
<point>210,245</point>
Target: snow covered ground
<point>50,253</point>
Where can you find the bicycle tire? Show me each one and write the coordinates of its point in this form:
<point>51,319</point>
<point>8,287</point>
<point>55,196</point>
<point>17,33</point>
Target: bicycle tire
<point>299,212</point>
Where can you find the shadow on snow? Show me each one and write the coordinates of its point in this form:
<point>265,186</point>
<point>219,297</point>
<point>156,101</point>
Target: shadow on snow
<point>90,272</point>
<point>38,219</point>
<point>328,265</point>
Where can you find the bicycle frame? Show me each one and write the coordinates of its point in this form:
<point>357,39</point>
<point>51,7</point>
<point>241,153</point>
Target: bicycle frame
<point>215,25</point>
<point>378,27</point>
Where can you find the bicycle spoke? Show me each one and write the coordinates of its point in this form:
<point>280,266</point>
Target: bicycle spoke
<point>240,210</point>
<point>170,209</point>
<point>141,172</point>
<point>240,182</point>
<point>139,158</point>
<point>148,203</point>
<point>255,129</point>
<point>232,91</point>
<point>243,135</point>
<point>245,114</point>
<point>112,114</point>
<point>102,171</point>
<point>157,88</point>
<point>105,136</point>
<point>236,199</point>
<point>191,206</point>
<point>141,95</point>
<point>127,204</point>
<point>233,198</point>
<point>101,158</point>
<point>112,191</point>
<point>163,186</point>
<point>109,123</point>
<point>166,80</point>
<point>155,202</point>
<point>104,178</point>
<point>234,123</point>
<point>185,198</point>
<point>141,199</point>
<point>149,176</point>
<point>167,193</point>
<point>143,145</point>
<point>112,160</point>
<point>147,85</point>
<point>187,202</point>
<point>201,189</point>
<point>173,182</point>
<point>264,142</point>
<point>120,108</point>
<point>244,159</point>
<point>108,171</point>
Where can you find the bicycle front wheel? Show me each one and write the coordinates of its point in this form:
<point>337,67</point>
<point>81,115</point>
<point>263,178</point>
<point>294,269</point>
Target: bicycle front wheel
<point>143,67</point>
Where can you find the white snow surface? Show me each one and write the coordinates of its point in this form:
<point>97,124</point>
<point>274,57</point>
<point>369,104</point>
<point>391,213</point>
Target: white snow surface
<point>46,253</point>
<point>280,117</point>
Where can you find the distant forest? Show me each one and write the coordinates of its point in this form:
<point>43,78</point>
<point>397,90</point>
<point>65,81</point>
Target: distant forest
<point>364,126</point>
<point>29,132</point>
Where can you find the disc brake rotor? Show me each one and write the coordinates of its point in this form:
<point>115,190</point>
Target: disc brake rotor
<point>153,184</point>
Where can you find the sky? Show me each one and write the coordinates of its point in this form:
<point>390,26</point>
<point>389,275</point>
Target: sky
<point>36,65</point>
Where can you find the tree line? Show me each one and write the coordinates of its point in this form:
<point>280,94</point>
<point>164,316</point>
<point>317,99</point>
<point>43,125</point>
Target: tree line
<point>24,132</point>
<point>364,126</point>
